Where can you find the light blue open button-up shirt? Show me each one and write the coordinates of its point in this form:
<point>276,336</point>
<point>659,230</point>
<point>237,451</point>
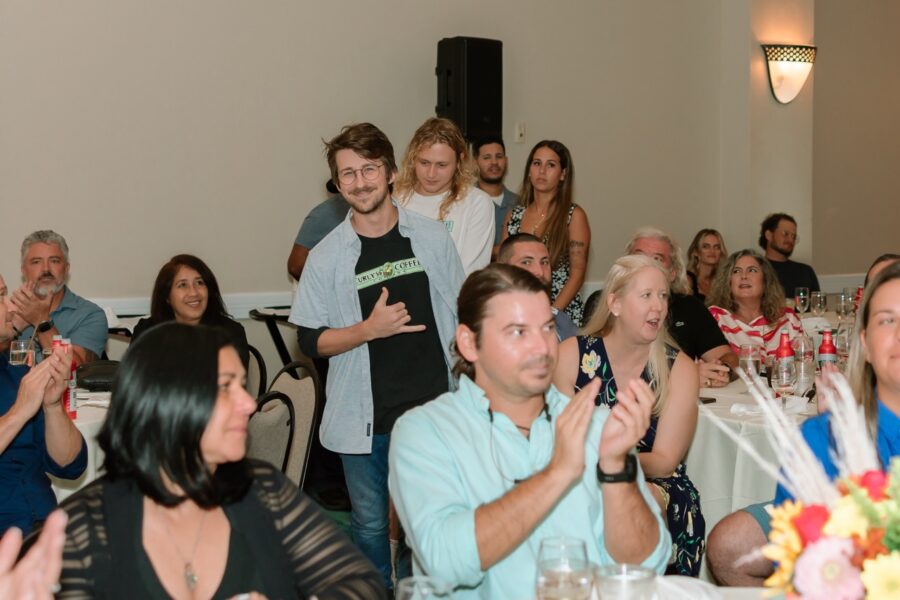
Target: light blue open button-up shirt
<point>443,467</point>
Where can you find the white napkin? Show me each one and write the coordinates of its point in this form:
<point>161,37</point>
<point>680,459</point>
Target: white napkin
<point>795,405</point>
<point>96,402</point>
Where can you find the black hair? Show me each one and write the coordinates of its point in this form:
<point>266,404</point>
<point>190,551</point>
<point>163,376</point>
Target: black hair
<point>160,309</point>
<point>492,138</point>
<point>506,247</point>
<point>162,401</point>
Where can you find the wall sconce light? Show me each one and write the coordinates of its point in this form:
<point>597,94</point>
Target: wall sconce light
<point>789,66</point>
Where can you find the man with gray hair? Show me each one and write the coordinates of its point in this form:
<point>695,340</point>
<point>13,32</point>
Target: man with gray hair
<point>688,322</point>
<point>44,306</point>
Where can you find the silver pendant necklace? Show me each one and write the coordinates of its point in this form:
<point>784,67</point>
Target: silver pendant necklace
<point>190,577</point>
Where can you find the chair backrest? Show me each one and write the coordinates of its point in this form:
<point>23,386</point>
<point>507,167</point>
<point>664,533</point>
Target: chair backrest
<point>306,394</point>
<point>256,373</point>
<point>271,430</point>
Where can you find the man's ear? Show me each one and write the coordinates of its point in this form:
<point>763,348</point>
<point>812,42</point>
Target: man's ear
<point>768,235</point>
<point>466,344</point>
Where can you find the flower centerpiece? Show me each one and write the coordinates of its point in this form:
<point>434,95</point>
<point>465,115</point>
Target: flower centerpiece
<point>837,540</point>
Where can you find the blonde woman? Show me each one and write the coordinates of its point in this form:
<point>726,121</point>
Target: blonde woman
<point>704,255</point>
<point>437,180</point>
<point>627,340</point>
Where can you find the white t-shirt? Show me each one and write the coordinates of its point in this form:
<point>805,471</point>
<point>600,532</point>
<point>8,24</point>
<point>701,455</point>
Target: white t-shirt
<point>470,223</point>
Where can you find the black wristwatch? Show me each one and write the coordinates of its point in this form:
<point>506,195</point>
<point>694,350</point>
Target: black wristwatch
<point>44,326</point>
<point>627,475</point>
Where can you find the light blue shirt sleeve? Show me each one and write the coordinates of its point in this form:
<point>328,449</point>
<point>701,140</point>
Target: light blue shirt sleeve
<point>428,495</point>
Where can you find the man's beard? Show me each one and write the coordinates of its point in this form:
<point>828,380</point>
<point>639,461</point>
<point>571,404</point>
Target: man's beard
<point>493,180</point>
<point>786,253</point>
<point>42,291</point>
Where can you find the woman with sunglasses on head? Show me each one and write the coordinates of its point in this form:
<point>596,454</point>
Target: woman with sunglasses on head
<point>628,342</point>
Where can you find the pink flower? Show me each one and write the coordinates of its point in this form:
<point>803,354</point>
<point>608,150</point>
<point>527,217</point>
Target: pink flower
<point>809,522</point>
<point>824,572</point>
<point>874,482</point>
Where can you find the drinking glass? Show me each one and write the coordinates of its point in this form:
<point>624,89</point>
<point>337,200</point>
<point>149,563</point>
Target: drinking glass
<point>844,306</point>
<point>21,352</point>
<point>625,582</point>
<point>419,587</point>
<point>817,303</point>
<point>784,379</point>
<point>563,570</point>
<point>843,339</point>
<point>749,359</point>
<point>801,299</point>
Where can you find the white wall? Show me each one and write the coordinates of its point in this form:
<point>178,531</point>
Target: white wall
<point>139,130</point>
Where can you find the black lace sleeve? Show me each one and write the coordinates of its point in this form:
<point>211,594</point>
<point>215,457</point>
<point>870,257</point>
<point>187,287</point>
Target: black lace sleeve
<point>325,562</point>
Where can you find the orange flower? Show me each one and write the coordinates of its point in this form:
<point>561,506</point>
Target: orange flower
<point>868,547</point>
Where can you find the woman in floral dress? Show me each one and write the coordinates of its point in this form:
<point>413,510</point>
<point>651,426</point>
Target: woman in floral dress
<point>628,341</point>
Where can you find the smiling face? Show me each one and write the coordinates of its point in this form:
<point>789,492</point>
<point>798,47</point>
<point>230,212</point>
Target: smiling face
<point>435,168</point>
<point>365,197</point>
<point>45,265</point>
<point>492,163</point>
<point>189,296</point>
<point>747,280</point>
<point>545,171</point>
<point>516,352</point>
<point>709,251</point>
<point>881,337</point>
<point>642,305</point>
<point>225,436</point>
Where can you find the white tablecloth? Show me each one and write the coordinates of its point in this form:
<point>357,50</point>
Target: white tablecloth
<point>727,478</point>
<point>89,421</point>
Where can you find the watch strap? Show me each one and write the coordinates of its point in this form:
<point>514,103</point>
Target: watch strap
<point>44,326</point>
<point>628,474</point>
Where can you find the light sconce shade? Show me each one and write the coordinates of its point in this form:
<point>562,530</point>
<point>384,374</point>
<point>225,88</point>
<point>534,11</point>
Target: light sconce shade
<point>789,66</point>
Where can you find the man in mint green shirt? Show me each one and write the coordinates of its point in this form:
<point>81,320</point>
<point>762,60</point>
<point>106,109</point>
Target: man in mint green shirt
<point>481,475</point>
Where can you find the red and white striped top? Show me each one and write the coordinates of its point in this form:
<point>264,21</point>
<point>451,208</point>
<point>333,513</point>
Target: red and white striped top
<point>758,332</point>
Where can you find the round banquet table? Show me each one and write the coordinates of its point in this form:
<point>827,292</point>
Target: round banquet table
<point>89,421</point>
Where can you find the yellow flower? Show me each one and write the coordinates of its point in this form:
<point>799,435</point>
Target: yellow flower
<point>589,364</point>
<point>846,520</point>
<point>881,576</point>
<point>784,544</point>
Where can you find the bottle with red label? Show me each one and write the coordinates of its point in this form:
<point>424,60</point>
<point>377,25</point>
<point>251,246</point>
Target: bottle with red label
<point>68,398</point>
<point>827,350</point>
<point>784,375</point>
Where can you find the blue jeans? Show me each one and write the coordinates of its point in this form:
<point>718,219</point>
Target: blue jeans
<point>366,476</point>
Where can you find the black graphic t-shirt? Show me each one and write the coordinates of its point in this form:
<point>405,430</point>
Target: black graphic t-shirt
<point>407,369</point>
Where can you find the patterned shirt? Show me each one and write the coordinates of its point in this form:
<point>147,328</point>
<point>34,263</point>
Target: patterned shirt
<point>759,332</point>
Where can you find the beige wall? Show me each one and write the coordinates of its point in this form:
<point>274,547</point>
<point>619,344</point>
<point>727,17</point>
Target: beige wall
<point>141,129</point>
<point>857,133</point>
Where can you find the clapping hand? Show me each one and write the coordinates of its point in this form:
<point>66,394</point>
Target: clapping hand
<point>626,425</point>
<point>45,383</point>
<point>35,577</point>
<point>571,430</point>
<point>29,307</point>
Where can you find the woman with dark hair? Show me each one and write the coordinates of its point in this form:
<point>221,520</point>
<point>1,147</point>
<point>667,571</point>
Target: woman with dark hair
<point>747,302</point>
<point>546,210</point>
<point>186,291</point>
<point>180,511</point>
<point>704,255</point>
<point>628,342</point>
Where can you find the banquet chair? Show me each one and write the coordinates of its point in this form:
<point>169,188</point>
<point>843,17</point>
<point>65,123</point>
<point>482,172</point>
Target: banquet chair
<point>256,373</point>
<point>271,430</point>
<point>300,382</point>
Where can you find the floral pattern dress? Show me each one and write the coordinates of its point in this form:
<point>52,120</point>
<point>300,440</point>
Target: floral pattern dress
<point>683,516</point>
<point>561,272</point>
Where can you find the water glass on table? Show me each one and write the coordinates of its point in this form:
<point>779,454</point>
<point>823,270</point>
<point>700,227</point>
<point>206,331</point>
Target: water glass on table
<point>801,299</point>
<point>419,587</point>
<point>625,582</point>
<point>817,303</point>
<point>563,570</point>
<point>749,359</point>
<point>784,379</point>
<point>844,306</point>
<point>21,352</point>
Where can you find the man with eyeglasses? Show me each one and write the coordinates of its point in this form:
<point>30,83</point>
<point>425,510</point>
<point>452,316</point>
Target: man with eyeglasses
<point>778,236</point>
<point>481,475</point>
<point>377,297</point>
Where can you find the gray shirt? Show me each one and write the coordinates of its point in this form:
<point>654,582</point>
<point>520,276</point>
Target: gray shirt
<point>327,297</point>
<point>321,220</point>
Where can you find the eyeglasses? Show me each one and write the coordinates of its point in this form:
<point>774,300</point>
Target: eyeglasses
<point>369,173</point>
